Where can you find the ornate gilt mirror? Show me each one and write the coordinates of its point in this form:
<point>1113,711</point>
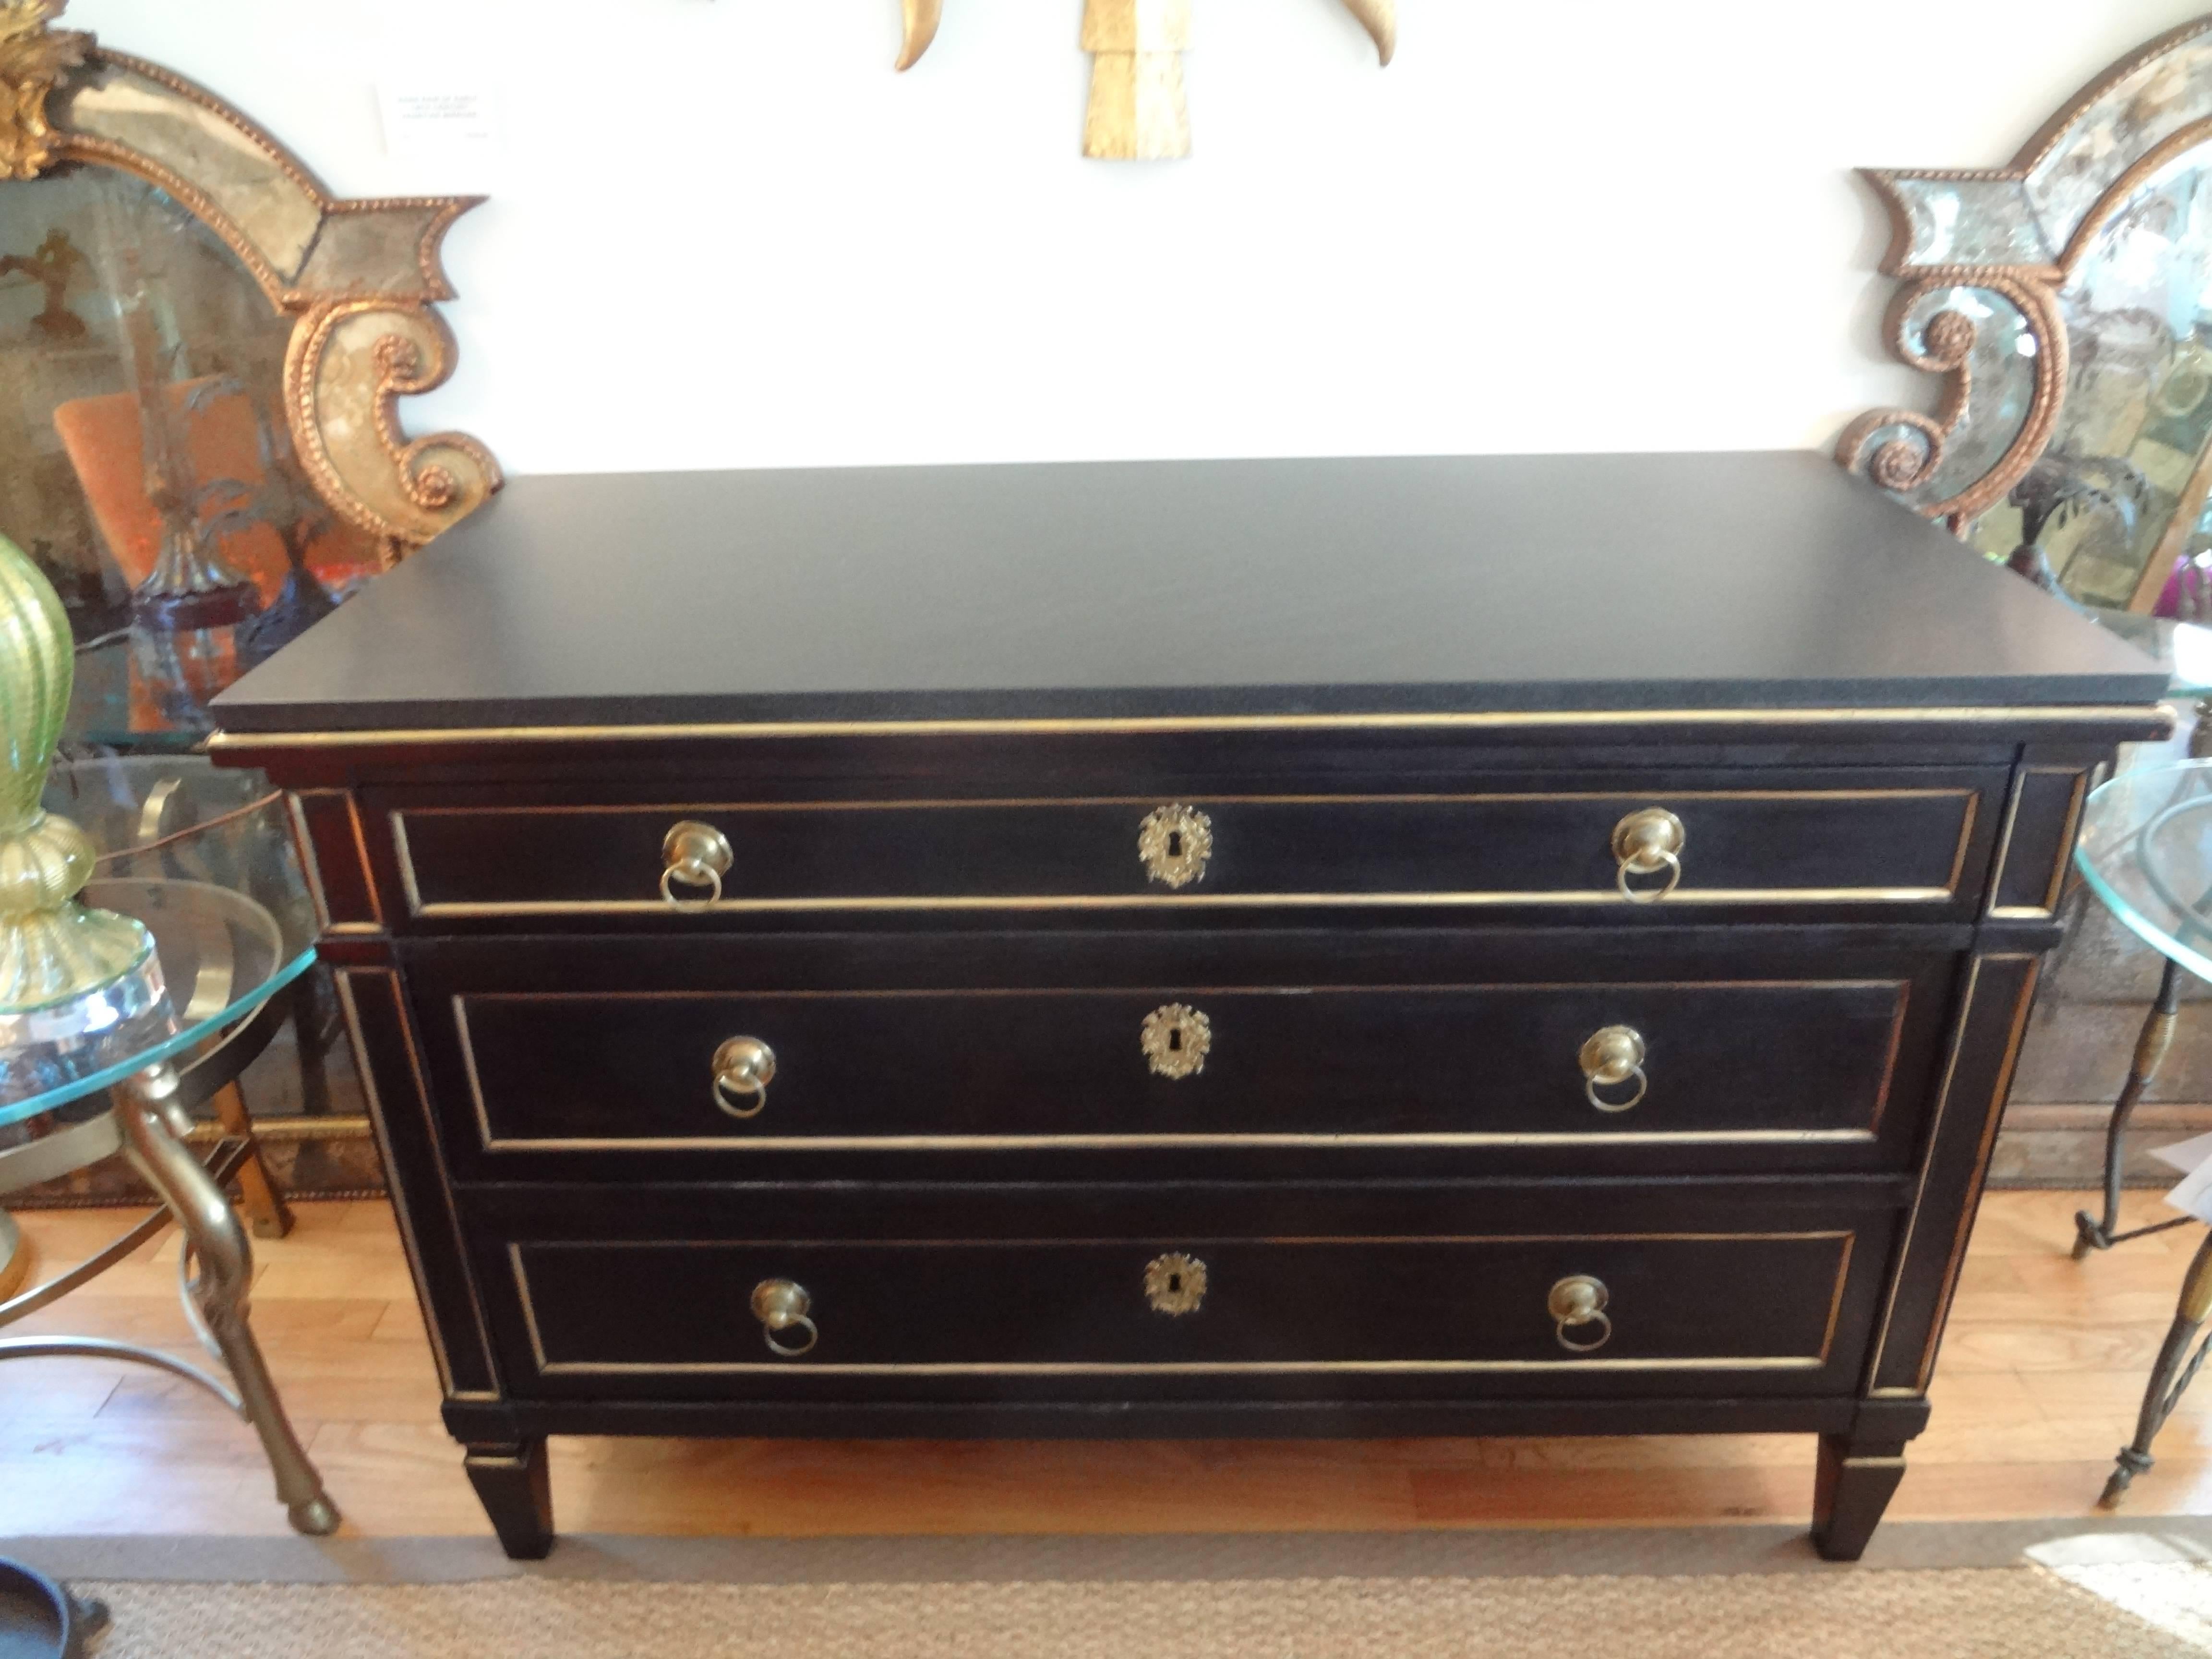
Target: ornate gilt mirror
<point>201,349</point>
<point>2066,301</point>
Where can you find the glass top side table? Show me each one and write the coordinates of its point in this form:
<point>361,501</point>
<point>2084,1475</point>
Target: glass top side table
<point>233,925</point>
<point>2146,851</point>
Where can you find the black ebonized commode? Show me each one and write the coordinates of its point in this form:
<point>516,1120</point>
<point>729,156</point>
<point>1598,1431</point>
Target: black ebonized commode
<point>1389,947</point>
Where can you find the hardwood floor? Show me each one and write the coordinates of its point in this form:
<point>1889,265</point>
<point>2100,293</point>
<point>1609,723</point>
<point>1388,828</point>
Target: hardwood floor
<point>2040,1377</point>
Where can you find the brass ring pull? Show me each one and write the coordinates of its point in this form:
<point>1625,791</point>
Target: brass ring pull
<point>1646,842</point>
<point>1609,1057</point>
<point>1575,1302</point>
<point>744,1066</point>
<point>698,855</point>
<point>781,1305</point>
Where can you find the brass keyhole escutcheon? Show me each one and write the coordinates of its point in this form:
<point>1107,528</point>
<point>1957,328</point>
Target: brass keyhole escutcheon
<point>1175,1283</point>
<point>1175,842</point>
<point>1175,1039</point>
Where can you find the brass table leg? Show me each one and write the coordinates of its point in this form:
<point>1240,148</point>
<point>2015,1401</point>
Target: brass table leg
<point>2176,1368</point>
<point>264,1206</point>
<point>15,1255</point>
<point>218,1244</point>
<point>2090,1232</point>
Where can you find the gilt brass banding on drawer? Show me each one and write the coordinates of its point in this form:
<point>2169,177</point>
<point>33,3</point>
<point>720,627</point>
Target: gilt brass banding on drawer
<point>1459,1304</point>
<point>1746,1062</point>
<point>1903,845</point>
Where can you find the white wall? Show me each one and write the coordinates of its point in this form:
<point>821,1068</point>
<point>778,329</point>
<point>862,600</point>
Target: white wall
<point>723,232</point>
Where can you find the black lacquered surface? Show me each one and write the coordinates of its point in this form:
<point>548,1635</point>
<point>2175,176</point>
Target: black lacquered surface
<point>1418,584</point>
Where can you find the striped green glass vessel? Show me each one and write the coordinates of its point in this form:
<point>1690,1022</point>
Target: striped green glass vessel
<point>53,950</point>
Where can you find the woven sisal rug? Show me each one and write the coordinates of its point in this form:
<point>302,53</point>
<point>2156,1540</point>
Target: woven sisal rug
<point>2039,1593</point>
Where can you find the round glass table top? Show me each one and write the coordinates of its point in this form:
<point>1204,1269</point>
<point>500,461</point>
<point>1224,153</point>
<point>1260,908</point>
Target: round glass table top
<point>2146,847</point>
<point>205,860</point>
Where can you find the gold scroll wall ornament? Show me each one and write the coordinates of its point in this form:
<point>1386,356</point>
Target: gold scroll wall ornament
<point>34,57</point>
<point>1137,111</point>
<point>360,279</point>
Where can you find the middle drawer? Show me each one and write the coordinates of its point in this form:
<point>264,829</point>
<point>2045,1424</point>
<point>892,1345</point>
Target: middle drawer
<point>912,1046</point>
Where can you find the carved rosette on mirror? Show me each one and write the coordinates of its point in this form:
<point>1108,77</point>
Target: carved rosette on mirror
<point>2062,301</point>
<point>360,279</point>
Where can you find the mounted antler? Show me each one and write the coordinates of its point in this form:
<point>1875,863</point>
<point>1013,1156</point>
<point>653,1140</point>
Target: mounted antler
<point>32,60</point>
<point>922,18</point>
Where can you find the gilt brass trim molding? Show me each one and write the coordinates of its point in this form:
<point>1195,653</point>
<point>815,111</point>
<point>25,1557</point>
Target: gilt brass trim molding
<point>410,880</point>
<point>549,1367</point>
<point>1469,900</point>
<point>2057,887</point>
<point>360,278</point>
<point>492,1142</point>
<point>2024,1001</point>
<point>2149,720</point>
<point>1961,1026</point>
<point>341,981</point>
<point>959,803</point>
<point>1962,240</point>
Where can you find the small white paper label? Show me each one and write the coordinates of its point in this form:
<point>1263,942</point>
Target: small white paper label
<point>2192,1194</point>
<point>437,121</point>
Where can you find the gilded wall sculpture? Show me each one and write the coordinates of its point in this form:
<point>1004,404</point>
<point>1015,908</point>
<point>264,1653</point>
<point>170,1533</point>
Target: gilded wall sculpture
<point>1137,110</point>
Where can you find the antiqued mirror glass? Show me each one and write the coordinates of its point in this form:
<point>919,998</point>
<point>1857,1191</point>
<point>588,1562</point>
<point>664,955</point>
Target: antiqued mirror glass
<point>2115,506</point>
<point>144,457</point>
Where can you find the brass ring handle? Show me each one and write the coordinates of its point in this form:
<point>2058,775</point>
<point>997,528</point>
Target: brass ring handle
<point>1646,842</point>
<point>781,1305</point>
<point>744,1066</point>
<point>1577,1301</point>
<point>1609,1057</point>
<point>698,855</point>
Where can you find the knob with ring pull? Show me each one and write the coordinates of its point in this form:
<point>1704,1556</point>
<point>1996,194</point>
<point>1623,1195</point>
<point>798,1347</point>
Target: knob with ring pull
<point>1577,1301</point>
<point>1610,1057</point>
<point>1646,842</point>
<point>781,1304</point>
<point>697,855</point>
<point>743,1066</point>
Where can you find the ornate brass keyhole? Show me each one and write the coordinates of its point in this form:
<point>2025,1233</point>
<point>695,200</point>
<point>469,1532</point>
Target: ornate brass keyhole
<point>1175,1039</point>
<point>1175,842</point>
<point>1175,1283</point>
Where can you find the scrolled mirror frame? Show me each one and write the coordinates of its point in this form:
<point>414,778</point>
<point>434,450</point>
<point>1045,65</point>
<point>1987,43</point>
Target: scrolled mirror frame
<point>361,279</point>
<point>2012,237</point>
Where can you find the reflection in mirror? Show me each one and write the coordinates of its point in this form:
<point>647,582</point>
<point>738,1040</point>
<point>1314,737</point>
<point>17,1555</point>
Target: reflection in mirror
<point>145,463</point>
<point>2112,512</point>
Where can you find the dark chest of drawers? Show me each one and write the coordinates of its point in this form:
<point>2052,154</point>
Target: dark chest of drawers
<point>1280,948</point>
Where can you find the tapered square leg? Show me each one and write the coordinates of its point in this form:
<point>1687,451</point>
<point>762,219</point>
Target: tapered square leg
<point>512,1484</point>
<point>1851,1490</point>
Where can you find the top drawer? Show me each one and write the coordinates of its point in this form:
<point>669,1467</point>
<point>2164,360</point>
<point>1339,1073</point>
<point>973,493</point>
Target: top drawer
<point>1910,840</point>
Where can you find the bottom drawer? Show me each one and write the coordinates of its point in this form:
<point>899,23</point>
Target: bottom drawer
<point>1161,1313</point>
